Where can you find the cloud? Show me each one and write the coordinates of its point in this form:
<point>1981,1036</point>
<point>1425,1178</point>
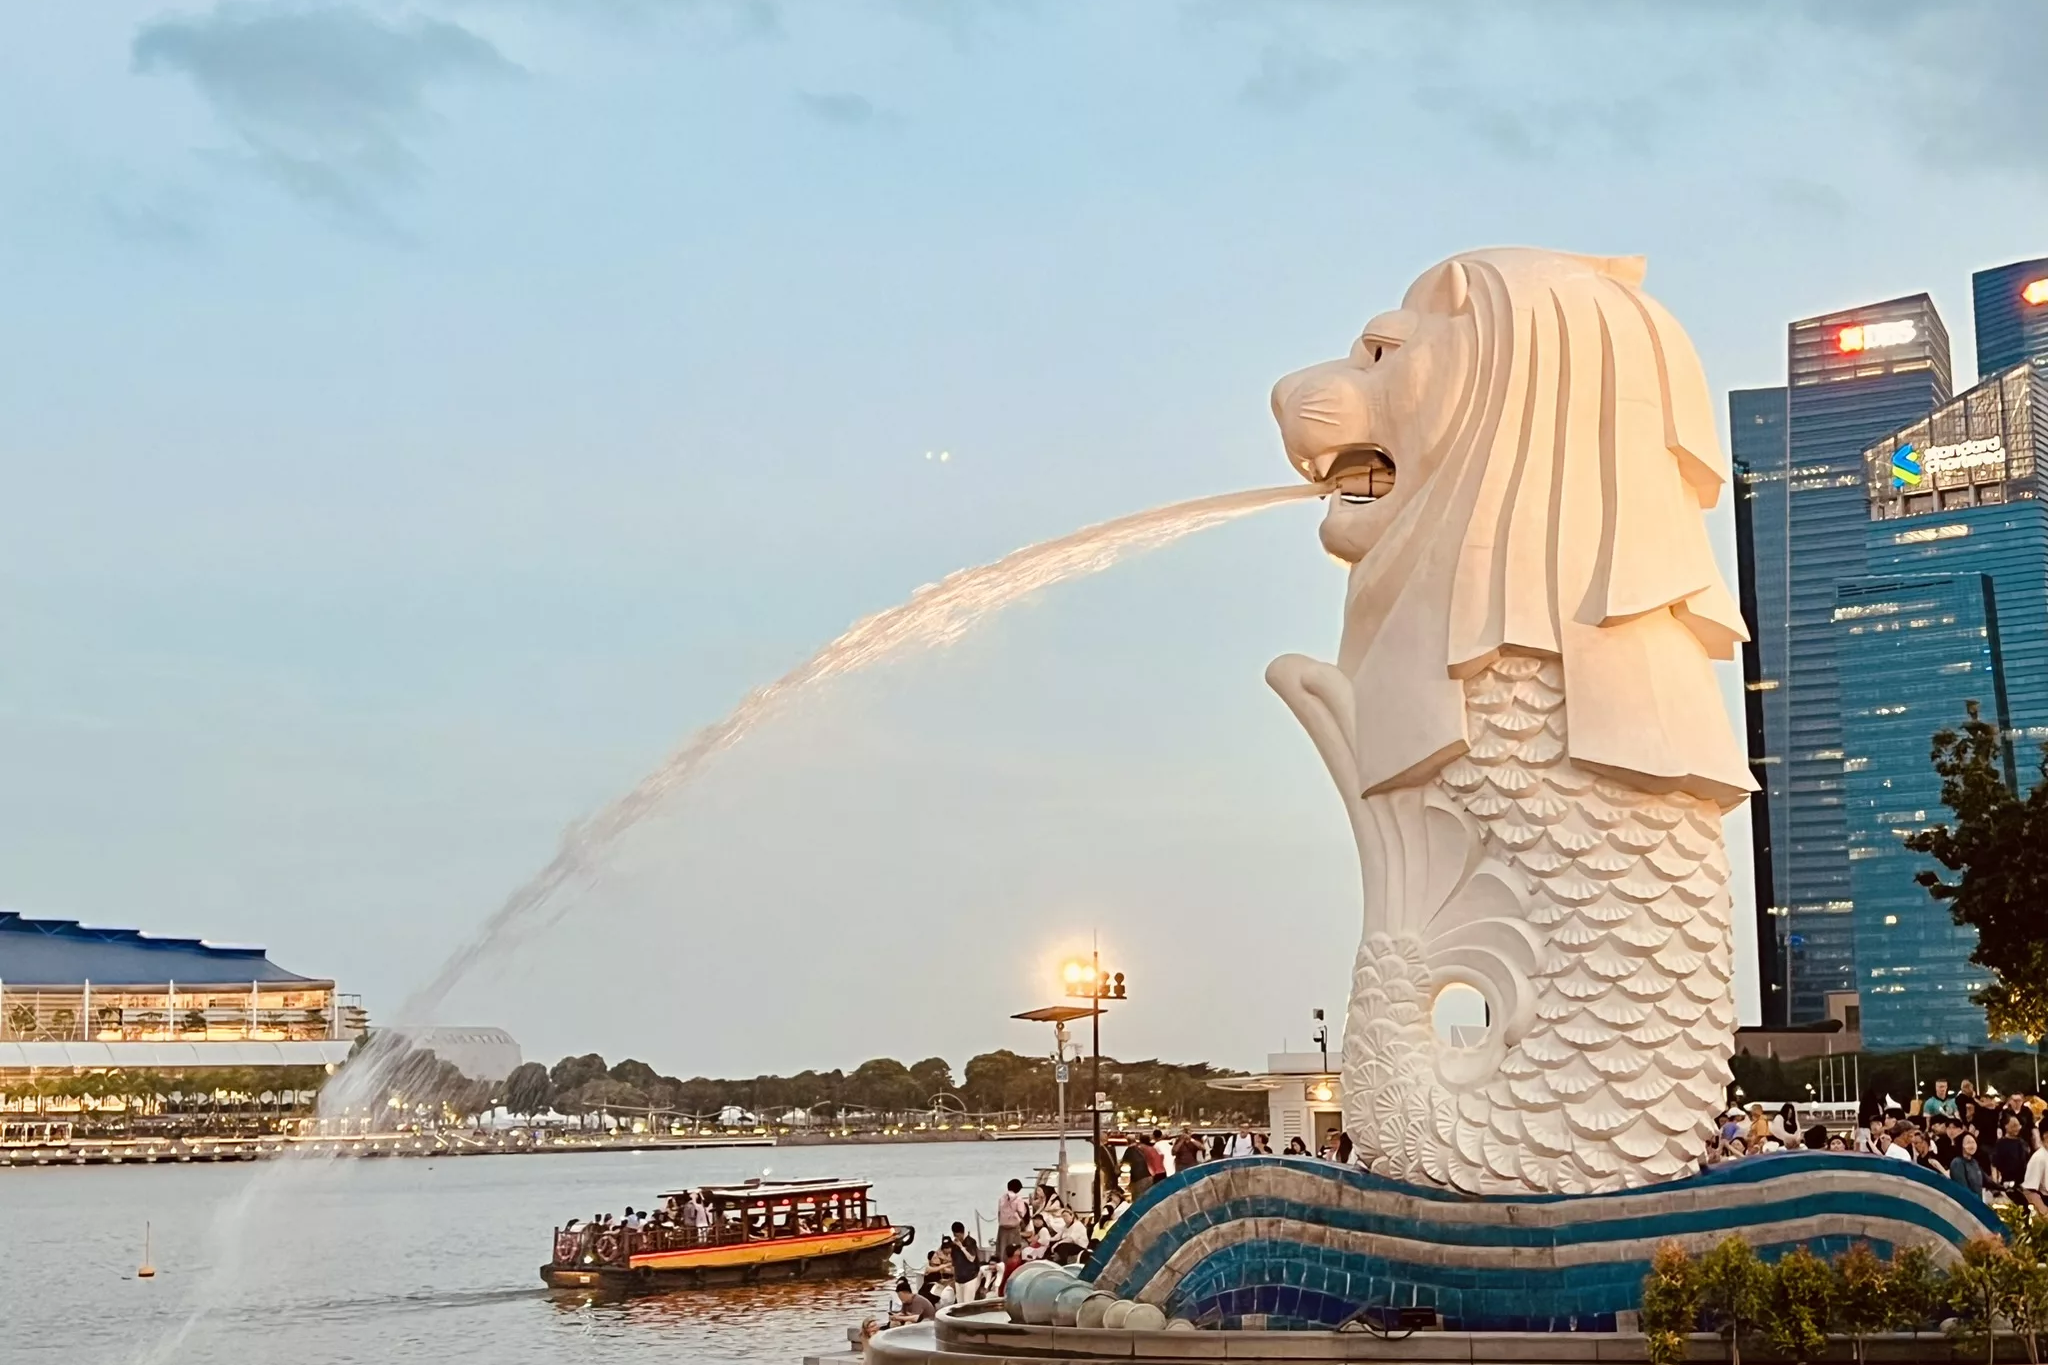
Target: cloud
<point>1290,78</point>
<point>326,102</point>
<point>842,107</point>
<point>1539,130</point>
<point>1802,195</point>
<point>1982,106</point>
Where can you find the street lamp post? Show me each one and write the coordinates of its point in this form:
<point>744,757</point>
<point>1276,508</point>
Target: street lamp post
<point>1098,987</point>
<point>1059,1016</point>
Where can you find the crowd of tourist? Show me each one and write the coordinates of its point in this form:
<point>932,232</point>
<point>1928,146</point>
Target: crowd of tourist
<point>1141,1161</point>
<point>1037,1225</point>
<point>1991,1146</point>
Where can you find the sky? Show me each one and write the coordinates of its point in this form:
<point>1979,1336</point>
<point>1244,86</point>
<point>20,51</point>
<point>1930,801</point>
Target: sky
<point>419,419</point>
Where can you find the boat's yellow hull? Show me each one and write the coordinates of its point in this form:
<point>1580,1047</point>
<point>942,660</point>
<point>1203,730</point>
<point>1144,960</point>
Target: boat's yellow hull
<point>866,1251</point>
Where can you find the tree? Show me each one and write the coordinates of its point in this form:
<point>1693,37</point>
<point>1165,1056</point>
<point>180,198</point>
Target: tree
<point>1671,1304</point>
<point>572,1072</point>
<point>637,1074</point>
<point>528,1088</point>
<point>1735,1290</point>
<point>1977,1287</point>
<point>1863,1286</point>
<point>2024,1287</point>
<point>1916,1290</point>
<point>1998,842</point>
<point>884,1084</point>
<point>1799,1308</point>
<point>932,1076</point>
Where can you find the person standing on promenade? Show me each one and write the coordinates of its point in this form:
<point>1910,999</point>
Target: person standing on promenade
<point>1011,1211</point>
<point>1939,1105</point>
<point>2034,1181</point>
<point>966,1264</point>
<point>1187,1150</point>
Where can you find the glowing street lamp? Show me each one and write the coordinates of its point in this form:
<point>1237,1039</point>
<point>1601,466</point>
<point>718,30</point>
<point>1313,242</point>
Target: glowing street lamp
<point>1087,981</point>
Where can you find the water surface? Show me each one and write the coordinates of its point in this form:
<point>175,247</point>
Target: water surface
<point>418,1260</point>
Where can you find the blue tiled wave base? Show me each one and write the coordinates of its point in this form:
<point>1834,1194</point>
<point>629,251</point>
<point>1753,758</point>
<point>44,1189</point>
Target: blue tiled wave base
<point>1289,1243</point>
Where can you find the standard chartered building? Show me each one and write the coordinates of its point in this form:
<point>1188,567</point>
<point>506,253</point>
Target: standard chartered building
<point>1953,610</point>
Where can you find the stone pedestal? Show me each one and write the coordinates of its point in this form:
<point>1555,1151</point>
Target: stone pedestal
<point>1289,1243</point>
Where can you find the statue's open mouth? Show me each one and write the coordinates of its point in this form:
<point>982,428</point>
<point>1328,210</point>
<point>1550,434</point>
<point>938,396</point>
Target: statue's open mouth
<point>1361,474</point>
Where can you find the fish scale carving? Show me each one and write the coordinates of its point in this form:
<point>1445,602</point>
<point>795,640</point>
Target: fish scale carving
<point>1612,1079</point>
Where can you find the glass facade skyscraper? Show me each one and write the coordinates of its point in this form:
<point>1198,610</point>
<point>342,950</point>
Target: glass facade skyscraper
<point>1856,376</point>
<point>1756,438</point>
<point>1914,651</point>
<point>2011,303</point>
<point>1955,611</point>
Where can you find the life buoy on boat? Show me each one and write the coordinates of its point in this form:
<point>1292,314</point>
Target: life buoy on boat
<point>608,1247</point>
<point>565,1249</point>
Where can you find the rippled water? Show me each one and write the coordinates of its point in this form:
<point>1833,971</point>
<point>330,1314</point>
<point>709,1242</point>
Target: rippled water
<point>416,1260</point>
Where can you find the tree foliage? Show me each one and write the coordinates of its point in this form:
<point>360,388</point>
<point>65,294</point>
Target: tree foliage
<point>1735,1292</point>
<point>1800,1305</point>
<point>992,1083</point>
<point>1671,1304</point>
<point>1997,848</point>
<point>1862,1302</point>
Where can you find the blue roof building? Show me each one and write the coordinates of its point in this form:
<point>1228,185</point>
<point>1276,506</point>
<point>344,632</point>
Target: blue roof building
<point>63,952</point>
<point>73,997</point>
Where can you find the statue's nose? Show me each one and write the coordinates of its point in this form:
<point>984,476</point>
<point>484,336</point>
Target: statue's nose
<point>1320,410</point>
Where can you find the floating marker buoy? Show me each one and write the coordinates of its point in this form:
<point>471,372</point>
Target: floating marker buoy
<point>145,1271</point>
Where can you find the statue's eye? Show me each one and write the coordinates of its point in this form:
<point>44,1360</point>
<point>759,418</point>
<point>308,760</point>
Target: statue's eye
<point>1376,352</point>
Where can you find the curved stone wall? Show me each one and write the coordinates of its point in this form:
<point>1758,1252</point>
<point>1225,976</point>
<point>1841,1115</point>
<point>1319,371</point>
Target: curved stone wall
<point>1292,1243</point>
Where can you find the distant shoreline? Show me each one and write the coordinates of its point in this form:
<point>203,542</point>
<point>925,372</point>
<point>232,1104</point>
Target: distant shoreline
<point>386,1146</point>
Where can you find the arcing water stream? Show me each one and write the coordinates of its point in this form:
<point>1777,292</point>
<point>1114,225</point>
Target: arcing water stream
<point>936,615</point>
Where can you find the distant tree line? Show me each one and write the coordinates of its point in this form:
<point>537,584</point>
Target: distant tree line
<point>1000,1082</point>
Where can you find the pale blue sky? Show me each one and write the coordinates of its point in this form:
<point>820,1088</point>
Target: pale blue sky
<point>417,419</point>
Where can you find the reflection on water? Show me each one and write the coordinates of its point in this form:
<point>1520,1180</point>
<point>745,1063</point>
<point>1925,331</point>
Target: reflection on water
<point>418,1261</point>
<point>743,1321</point>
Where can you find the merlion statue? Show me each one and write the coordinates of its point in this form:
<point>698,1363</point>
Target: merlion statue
<point>1524,723</point>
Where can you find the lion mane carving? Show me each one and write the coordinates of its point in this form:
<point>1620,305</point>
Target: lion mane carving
<point>1524,724</point>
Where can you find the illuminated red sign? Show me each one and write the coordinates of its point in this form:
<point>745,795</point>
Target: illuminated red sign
<point>2035,292</point>
<point>1871,336</point>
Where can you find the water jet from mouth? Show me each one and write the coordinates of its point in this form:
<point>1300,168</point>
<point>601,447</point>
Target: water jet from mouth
<point>935,616</point>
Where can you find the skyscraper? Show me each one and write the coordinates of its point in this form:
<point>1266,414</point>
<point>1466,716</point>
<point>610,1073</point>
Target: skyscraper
<point>1955,611</point>
<point>1914,651</point>
<point>2011,303</point>
<point>1756,437</point>
<point>1856,376</point>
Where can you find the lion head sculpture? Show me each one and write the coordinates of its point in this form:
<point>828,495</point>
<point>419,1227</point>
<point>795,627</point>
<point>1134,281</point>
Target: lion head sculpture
<point>1523,450</point>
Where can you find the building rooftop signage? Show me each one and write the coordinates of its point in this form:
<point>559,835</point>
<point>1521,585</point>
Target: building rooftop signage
<point>1875,336</point>
<point>1985,453</point>
<point>1906,470</point>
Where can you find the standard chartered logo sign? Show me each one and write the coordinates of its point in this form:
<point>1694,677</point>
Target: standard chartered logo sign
<point>1987,453</point>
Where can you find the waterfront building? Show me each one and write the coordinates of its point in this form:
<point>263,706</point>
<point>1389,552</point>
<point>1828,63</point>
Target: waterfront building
<point>1955,610</point>
<point>1855,376</point>
<point>2011,304</point>
<point>1756,439</point>
<point>482,1054</point>
<point>1304,1097</point>
<point>78,998</point>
